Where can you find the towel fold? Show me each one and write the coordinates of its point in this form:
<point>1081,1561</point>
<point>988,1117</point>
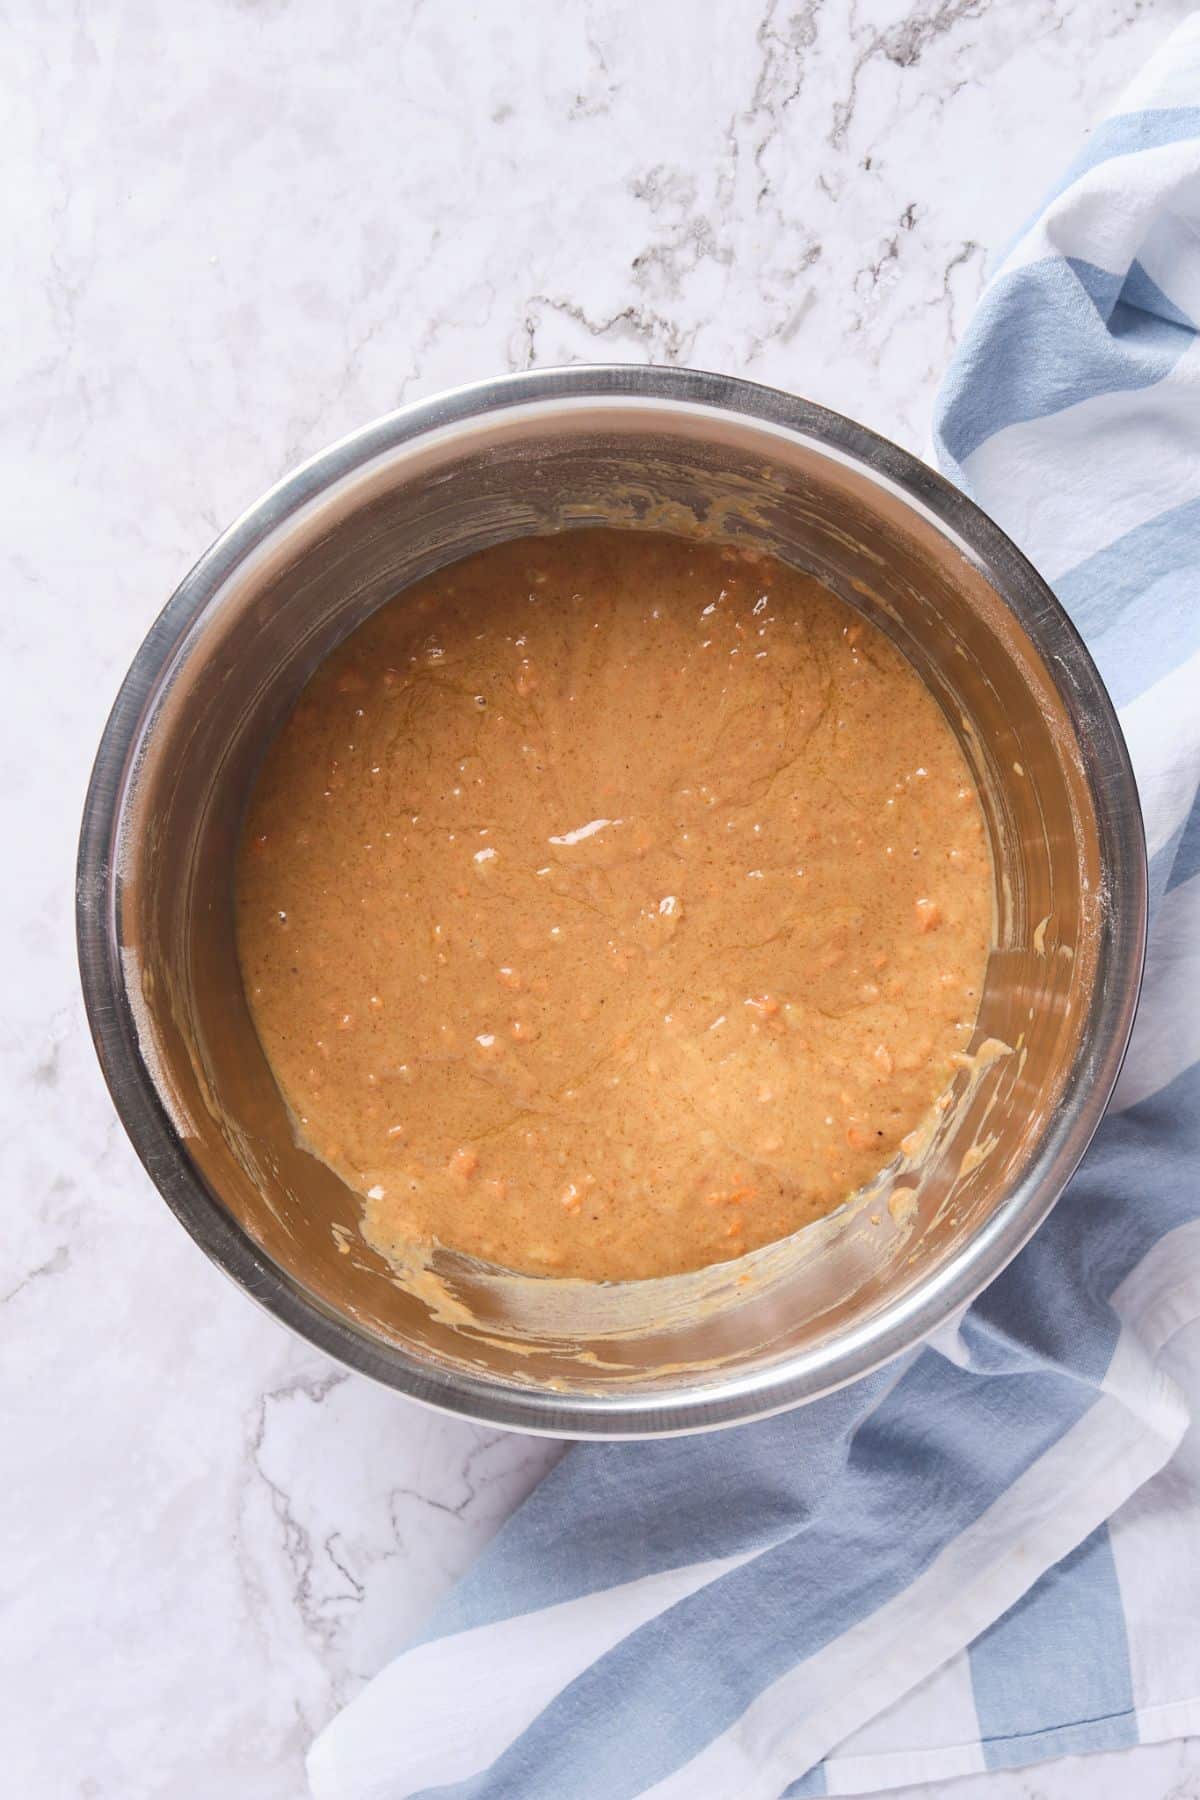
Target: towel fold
<point>984,1554</point>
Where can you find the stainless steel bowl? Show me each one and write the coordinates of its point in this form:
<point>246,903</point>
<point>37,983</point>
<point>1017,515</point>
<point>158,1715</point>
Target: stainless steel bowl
<point>555,451</point>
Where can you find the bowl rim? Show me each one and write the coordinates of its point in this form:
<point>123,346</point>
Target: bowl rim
<point>897,1326</point>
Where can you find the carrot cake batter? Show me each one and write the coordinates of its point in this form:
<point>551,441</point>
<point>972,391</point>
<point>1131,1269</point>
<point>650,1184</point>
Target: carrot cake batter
<point>612,904</point>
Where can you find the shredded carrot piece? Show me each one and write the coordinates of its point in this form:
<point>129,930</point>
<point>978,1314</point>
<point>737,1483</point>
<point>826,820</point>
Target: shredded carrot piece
<point>734,1197</point>
<point>766,1004</point>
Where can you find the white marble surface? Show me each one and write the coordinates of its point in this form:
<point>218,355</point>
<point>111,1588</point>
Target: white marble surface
<point>234,231</point>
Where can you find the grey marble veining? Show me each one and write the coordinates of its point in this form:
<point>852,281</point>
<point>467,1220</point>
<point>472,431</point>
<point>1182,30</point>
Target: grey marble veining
<point>234,232</point>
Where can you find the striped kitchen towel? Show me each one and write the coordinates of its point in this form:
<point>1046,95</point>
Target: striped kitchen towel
<point>986,1553</point>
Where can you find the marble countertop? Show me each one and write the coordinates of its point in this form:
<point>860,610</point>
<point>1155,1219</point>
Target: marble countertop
<point>236,231</point>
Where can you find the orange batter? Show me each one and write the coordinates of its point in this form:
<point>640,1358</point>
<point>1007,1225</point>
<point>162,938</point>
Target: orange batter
<point>612,904</point>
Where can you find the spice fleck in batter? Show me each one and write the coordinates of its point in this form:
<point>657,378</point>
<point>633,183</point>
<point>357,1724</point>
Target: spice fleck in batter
<point>612,904</point>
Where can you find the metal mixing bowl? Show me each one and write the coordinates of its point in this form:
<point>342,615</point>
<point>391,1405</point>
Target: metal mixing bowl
<point>636,448</point>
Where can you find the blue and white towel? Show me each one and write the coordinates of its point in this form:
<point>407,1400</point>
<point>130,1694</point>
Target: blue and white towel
<point>989,1552</point>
